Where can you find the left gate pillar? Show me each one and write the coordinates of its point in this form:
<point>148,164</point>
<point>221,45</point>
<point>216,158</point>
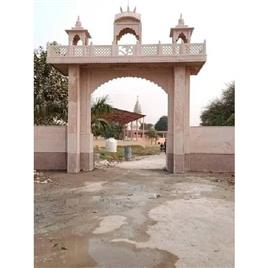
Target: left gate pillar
<point>73,129</point>
<point>86,137</point>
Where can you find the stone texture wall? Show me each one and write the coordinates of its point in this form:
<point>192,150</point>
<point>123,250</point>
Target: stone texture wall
<point>211,148</point>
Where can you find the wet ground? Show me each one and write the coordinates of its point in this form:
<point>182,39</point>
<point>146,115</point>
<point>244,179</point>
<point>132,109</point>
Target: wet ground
<point>115,217</point>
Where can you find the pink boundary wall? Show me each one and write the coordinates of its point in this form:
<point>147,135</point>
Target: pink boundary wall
<point>50,148</point>
<point>211,149</point>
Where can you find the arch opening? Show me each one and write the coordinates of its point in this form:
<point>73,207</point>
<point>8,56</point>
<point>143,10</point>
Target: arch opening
<point>129,35</point>
<point>122,94</point>
<point>100,81</point>
<point>77,40</point>
<point>181,38</point>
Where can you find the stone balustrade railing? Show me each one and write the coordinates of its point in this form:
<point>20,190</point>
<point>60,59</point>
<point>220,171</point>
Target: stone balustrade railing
<point>128,50</point>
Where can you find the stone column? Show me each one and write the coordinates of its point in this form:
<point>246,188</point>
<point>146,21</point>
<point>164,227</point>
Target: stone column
<point>131,128</point>
<point>73,129</point>
<point>143,128</point>
<point>86,137</point>
<point>137,134</point>
<point>187,121</point>
<point>176,122</point>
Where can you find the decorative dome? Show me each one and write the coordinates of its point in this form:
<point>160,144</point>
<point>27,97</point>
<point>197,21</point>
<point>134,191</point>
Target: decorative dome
<point>181,20</point>
<point>78,24</point>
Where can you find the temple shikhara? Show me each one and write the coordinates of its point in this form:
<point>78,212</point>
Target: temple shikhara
<point>88,66</point>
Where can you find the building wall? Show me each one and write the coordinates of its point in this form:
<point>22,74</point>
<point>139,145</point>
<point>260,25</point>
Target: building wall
<point>211,148</point>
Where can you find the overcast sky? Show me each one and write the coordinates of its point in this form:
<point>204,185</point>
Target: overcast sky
<point>213,21</point>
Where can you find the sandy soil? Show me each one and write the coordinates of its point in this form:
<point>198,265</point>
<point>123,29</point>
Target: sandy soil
<point>117,217</point>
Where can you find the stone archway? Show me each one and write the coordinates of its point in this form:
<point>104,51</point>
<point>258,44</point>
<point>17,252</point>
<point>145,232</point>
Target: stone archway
<point>167,65</point>
<point>82,83</point>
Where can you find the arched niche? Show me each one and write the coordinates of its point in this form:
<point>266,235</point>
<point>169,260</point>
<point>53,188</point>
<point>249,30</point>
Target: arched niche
<point>77,40</point>
<point>182,37</point>
<point>127,31</point>
<point>125,23</point>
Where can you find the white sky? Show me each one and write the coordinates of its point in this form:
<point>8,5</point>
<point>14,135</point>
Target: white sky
<point>213,21</point>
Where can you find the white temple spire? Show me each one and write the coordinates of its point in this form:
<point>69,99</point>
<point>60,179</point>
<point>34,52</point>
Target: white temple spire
<point>137,107</point>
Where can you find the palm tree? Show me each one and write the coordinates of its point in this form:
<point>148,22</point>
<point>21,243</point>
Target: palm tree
<point>98,110</point>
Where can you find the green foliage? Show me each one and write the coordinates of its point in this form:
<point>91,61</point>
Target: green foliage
<point>50,92</point>
<point>137,150</point>
<point>152,134</point>
<point>146,126</point>
<point>98,124</point>
<point>113,130</point>
<point>162,124</point>
<point>221,112</point>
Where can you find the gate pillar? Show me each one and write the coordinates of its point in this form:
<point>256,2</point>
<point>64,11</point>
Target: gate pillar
<point>73,129</point>
<point>178,122</point>
<point>86,137</point>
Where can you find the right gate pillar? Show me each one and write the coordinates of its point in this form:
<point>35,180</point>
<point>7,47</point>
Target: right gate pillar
<point>178,122</point>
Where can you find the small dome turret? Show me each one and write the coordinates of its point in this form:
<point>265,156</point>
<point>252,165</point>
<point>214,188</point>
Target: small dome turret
<point>181,31</point>
<point>78,33</point>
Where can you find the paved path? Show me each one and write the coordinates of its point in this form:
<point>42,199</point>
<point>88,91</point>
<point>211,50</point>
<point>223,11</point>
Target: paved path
<point>147,162</point>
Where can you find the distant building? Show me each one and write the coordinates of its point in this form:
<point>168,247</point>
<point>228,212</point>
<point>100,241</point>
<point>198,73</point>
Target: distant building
<point>137,107</point>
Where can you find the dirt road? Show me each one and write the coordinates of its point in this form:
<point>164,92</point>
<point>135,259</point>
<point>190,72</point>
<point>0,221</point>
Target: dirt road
<point>116,217</point>
<point>146,162</point>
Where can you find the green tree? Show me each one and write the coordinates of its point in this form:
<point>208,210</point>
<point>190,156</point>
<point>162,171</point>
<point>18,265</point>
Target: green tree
<point>147,126</point>
<point>50,92</point>
<point>98,124</point>
<point>152,134</point>
<point>162,124</point>
<point>113,130</point>
<point>221,112</point>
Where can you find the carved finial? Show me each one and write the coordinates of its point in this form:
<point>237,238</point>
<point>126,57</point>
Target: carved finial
<point>127,5</point>
<point>181,20</point>
<point>121,10</point>
<point>78,22</point>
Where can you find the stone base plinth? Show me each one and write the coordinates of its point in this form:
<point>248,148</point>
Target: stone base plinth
<point>73,163</point>
<point>212,162</point>
<point>50,161</point>
<point>86,161</point>
<point>200,162</point>
<point>175,163</point>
